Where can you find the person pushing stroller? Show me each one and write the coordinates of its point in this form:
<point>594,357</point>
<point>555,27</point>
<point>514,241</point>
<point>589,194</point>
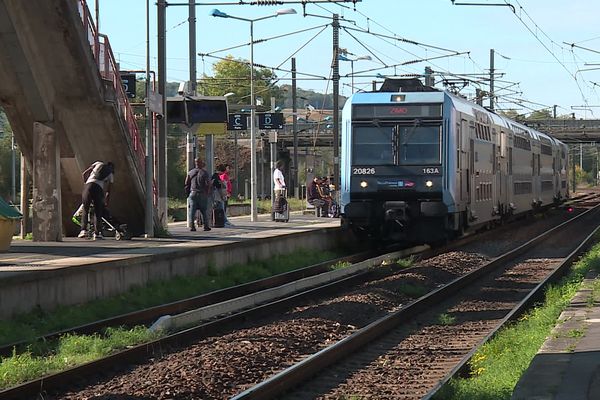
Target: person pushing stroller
<point>98,179</point>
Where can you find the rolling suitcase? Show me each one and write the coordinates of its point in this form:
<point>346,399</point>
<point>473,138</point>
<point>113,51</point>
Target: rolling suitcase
<point>282,211</point>
<point>218,220</point>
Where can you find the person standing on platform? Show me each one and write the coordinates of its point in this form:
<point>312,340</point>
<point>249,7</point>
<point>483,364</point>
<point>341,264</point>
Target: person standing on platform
<point>197,186</point>
<point>224,176</point>
<point>278,180</point>
<point>98,178</point>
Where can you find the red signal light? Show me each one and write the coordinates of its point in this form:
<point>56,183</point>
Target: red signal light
<point>570,209</point>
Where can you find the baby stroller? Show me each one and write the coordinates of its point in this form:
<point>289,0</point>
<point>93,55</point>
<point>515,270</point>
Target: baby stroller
<point>281,211</point>
<point>110,227</point>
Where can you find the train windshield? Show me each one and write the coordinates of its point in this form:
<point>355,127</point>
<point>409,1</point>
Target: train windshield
<point>396,145</point>
<point>373,145</point>
<point>419,145</point>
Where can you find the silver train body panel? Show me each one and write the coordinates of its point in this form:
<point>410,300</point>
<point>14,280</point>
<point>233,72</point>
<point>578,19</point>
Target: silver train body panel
<point>423,166</point>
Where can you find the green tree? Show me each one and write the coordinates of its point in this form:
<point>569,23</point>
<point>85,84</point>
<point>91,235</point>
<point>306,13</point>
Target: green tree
<point>5,157</point>
<point>176,162</point>
<point>540,114</point>
<point>305,97</point>
<point>510,113</point>
<point>233,76</point>
<point>582,177</point>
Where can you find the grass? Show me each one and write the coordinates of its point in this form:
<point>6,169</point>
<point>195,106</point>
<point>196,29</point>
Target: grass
<point>70,351</point>
<point>446,319</point>
<point>28,236</point>
<point>575,333</point>
<point>178,207</point>
<point>37,323</point>
<point>413,291</point>
<point>406,262</point>
<point>498,365</point>
<point>340,265</point>
<point>294,204</point>
<point>41,357</point>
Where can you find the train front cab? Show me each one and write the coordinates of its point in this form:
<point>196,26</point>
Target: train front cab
<point>392,169</point>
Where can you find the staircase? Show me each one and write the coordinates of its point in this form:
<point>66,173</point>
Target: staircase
<point>56,69</point>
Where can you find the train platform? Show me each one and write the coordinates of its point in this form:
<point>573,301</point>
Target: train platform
<point>48,274</point>
<point>567,367</point>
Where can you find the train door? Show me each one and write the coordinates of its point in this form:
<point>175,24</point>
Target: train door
<point>496,188</point>
<point>535,176</point>
<point>510,178</point>
<point>471,189</point>
<point>559,191</point>
<point>465,162</point>
<point>458,193</point>
<point>503,171</point>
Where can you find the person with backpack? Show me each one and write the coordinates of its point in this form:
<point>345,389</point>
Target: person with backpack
<point>218,195</point>
<point>197,187</point>
<point>98,179</point>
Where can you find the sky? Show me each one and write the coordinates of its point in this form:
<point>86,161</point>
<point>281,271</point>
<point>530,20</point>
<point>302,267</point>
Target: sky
<point>546,53</point>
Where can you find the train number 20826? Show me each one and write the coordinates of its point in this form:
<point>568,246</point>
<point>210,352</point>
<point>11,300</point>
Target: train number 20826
<point>363,171</point>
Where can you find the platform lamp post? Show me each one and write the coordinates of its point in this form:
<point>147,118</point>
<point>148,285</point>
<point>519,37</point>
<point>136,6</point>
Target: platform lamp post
<point>221,14</point>
<point>235,151</point>
<point>342,57</point>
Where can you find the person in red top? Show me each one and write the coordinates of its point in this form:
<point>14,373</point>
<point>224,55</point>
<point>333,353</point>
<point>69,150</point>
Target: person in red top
<point>223,170</point>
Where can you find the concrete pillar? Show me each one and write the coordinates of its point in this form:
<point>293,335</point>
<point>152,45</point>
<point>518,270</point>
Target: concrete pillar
<point>24,198</point>
<point>46,207</point>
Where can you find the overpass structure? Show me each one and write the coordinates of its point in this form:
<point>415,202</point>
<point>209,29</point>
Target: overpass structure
<point>569,130</point>
<point>61,90</point>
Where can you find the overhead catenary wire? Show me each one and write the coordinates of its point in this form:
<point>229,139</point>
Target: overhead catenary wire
<point>405,45</point>
<point>522,9</point>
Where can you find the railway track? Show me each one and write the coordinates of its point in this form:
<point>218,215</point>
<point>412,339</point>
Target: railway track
<point>411,353</point>
<point>205,331</point>
<point>149,315</point>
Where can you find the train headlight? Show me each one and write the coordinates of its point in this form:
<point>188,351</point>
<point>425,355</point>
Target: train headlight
<point>363,184</point>
<point>429,183</point>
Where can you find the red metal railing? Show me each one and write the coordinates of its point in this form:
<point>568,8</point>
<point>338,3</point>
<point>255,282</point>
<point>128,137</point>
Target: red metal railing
<point>109,70</point>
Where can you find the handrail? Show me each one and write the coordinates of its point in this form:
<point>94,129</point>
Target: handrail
<point>107,66</point>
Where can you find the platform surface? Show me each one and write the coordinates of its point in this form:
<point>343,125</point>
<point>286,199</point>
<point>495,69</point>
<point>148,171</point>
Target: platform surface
<point>567,367</point>
<point>27,256</point>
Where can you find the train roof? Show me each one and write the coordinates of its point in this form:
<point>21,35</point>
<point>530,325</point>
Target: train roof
<point>414,91</point>
<point>466,106</point>
<point>385,97</point>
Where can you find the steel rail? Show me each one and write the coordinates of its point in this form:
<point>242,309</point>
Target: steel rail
<point>146,350</point>
<point>535,296</point>
<point>149,315</point>
<point>159,346</point>
<point>302,371</point>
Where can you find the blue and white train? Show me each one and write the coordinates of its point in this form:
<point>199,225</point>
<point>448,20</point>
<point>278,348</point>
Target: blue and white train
<point>421,165</point>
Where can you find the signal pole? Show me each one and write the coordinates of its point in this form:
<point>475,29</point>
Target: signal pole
<point>336,103</point>
<point>492,79</point>
<point>162,124</point>
<point>295,177</point>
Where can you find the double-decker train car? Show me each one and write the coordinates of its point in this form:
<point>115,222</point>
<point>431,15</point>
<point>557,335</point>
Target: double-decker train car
<point>421,165</point>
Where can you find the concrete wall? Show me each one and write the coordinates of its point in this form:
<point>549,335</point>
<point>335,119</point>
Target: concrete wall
<point>83,283</point>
